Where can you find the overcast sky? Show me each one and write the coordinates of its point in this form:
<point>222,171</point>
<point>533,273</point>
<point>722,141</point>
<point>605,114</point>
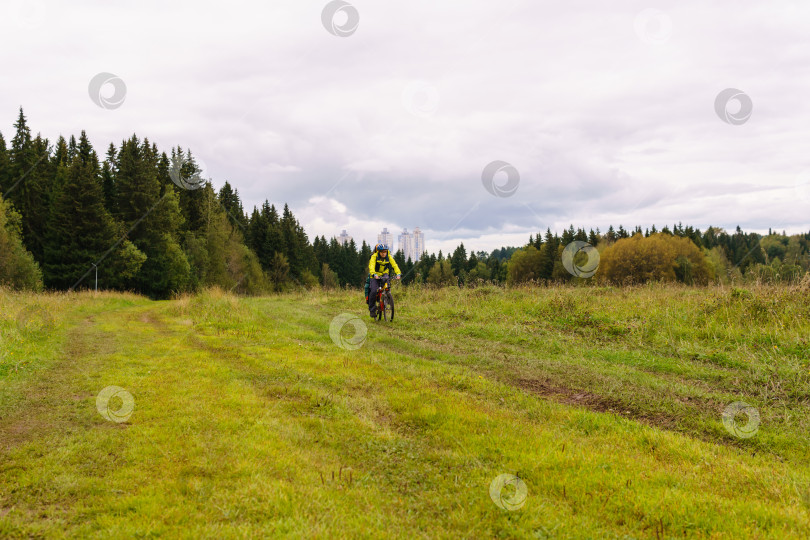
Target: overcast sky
<point>605,110</point>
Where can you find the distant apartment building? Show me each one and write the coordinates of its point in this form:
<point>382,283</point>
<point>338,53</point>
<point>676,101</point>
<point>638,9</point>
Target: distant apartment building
<point>412,245</point>
<point>344,239</point>
<point>386,238</point>
<point>405,244</point>
<point>418,244</point>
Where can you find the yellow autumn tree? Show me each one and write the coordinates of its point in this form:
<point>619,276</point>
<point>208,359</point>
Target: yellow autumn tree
<point>659,257</point>
<point>524,265</point>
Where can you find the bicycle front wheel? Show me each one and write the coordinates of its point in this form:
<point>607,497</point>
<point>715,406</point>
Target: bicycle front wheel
<point>388,312</point>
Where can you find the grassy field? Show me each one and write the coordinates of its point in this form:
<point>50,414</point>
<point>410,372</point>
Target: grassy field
<point>521,413</point>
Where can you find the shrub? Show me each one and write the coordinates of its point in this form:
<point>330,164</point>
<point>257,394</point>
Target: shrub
<point>18,269</point>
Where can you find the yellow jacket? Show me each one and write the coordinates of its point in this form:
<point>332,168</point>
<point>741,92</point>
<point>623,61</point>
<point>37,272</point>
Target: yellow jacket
<point>381,266</point>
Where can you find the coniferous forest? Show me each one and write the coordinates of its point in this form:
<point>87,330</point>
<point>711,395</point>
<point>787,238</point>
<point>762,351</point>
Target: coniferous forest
<point>69,216</point>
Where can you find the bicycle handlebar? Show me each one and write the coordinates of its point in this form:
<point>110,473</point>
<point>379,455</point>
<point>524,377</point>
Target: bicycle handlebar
<point>384,276</point>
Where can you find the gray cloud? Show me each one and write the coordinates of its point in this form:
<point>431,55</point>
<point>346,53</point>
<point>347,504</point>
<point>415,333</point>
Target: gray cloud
<point>603,126</point>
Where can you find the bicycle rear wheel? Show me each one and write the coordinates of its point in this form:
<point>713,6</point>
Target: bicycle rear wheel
<point>388,312</point>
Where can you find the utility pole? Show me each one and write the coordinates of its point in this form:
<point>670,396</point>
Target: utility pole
<point>96,266</point>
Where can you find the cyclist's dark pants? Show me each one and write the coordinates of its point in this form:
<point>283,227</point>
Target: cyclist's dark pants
<point>372,293</point>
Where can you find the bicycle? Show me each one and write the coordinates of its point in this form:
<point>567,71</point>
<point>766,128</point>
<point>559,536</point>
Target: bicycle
<point>385,302</point>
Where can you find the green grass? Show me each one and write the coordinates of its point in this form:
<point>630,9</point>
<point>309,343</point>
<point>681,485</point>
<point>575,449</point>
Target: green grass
<point>249,421</point>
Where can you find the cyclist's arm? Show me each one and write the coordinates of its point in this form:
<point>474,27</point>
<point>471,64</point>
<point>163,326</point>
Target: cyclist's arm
<point>372,264</point>
<point>394,266</point>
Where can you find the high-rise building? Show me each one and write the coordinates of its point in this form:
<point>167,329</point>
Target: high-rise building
<point>412,244</point>
<point>344,239</point>
<point>418,244</point>
<point>386,238</point>
<point>405,242</point>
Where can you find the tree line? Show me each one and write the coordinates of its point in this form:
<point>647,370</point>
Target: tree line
<point>681,253</point>
<point>69,217</point>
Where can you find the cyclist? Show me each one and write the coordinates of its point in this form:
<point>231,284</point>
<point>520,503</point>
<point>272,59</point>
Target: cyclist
<point>379,264</point>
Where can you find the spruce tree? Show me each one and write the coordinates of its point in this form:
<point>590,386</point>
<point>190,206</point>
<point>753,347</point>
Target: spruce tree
<point>21,153</point>
<point>81,232</point>
<point>274,239</point>
<point>321,249</point>
<point>568,235</point>
<point>108,172</point>
<point>549,254</point>
<point>408,272</point>
<point>363,257</point>
<point>399,257</point>
<point>60,154</point>
<point>192,201</point>
<point>459,259</point>
<point>28,184</point>
<point>255,236</point>
<point>229,199</point>
<point>472,262</point>
<point>334,258</point>
<point>353,264</point>
<point>293,251</point>
<point>153,220</point>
